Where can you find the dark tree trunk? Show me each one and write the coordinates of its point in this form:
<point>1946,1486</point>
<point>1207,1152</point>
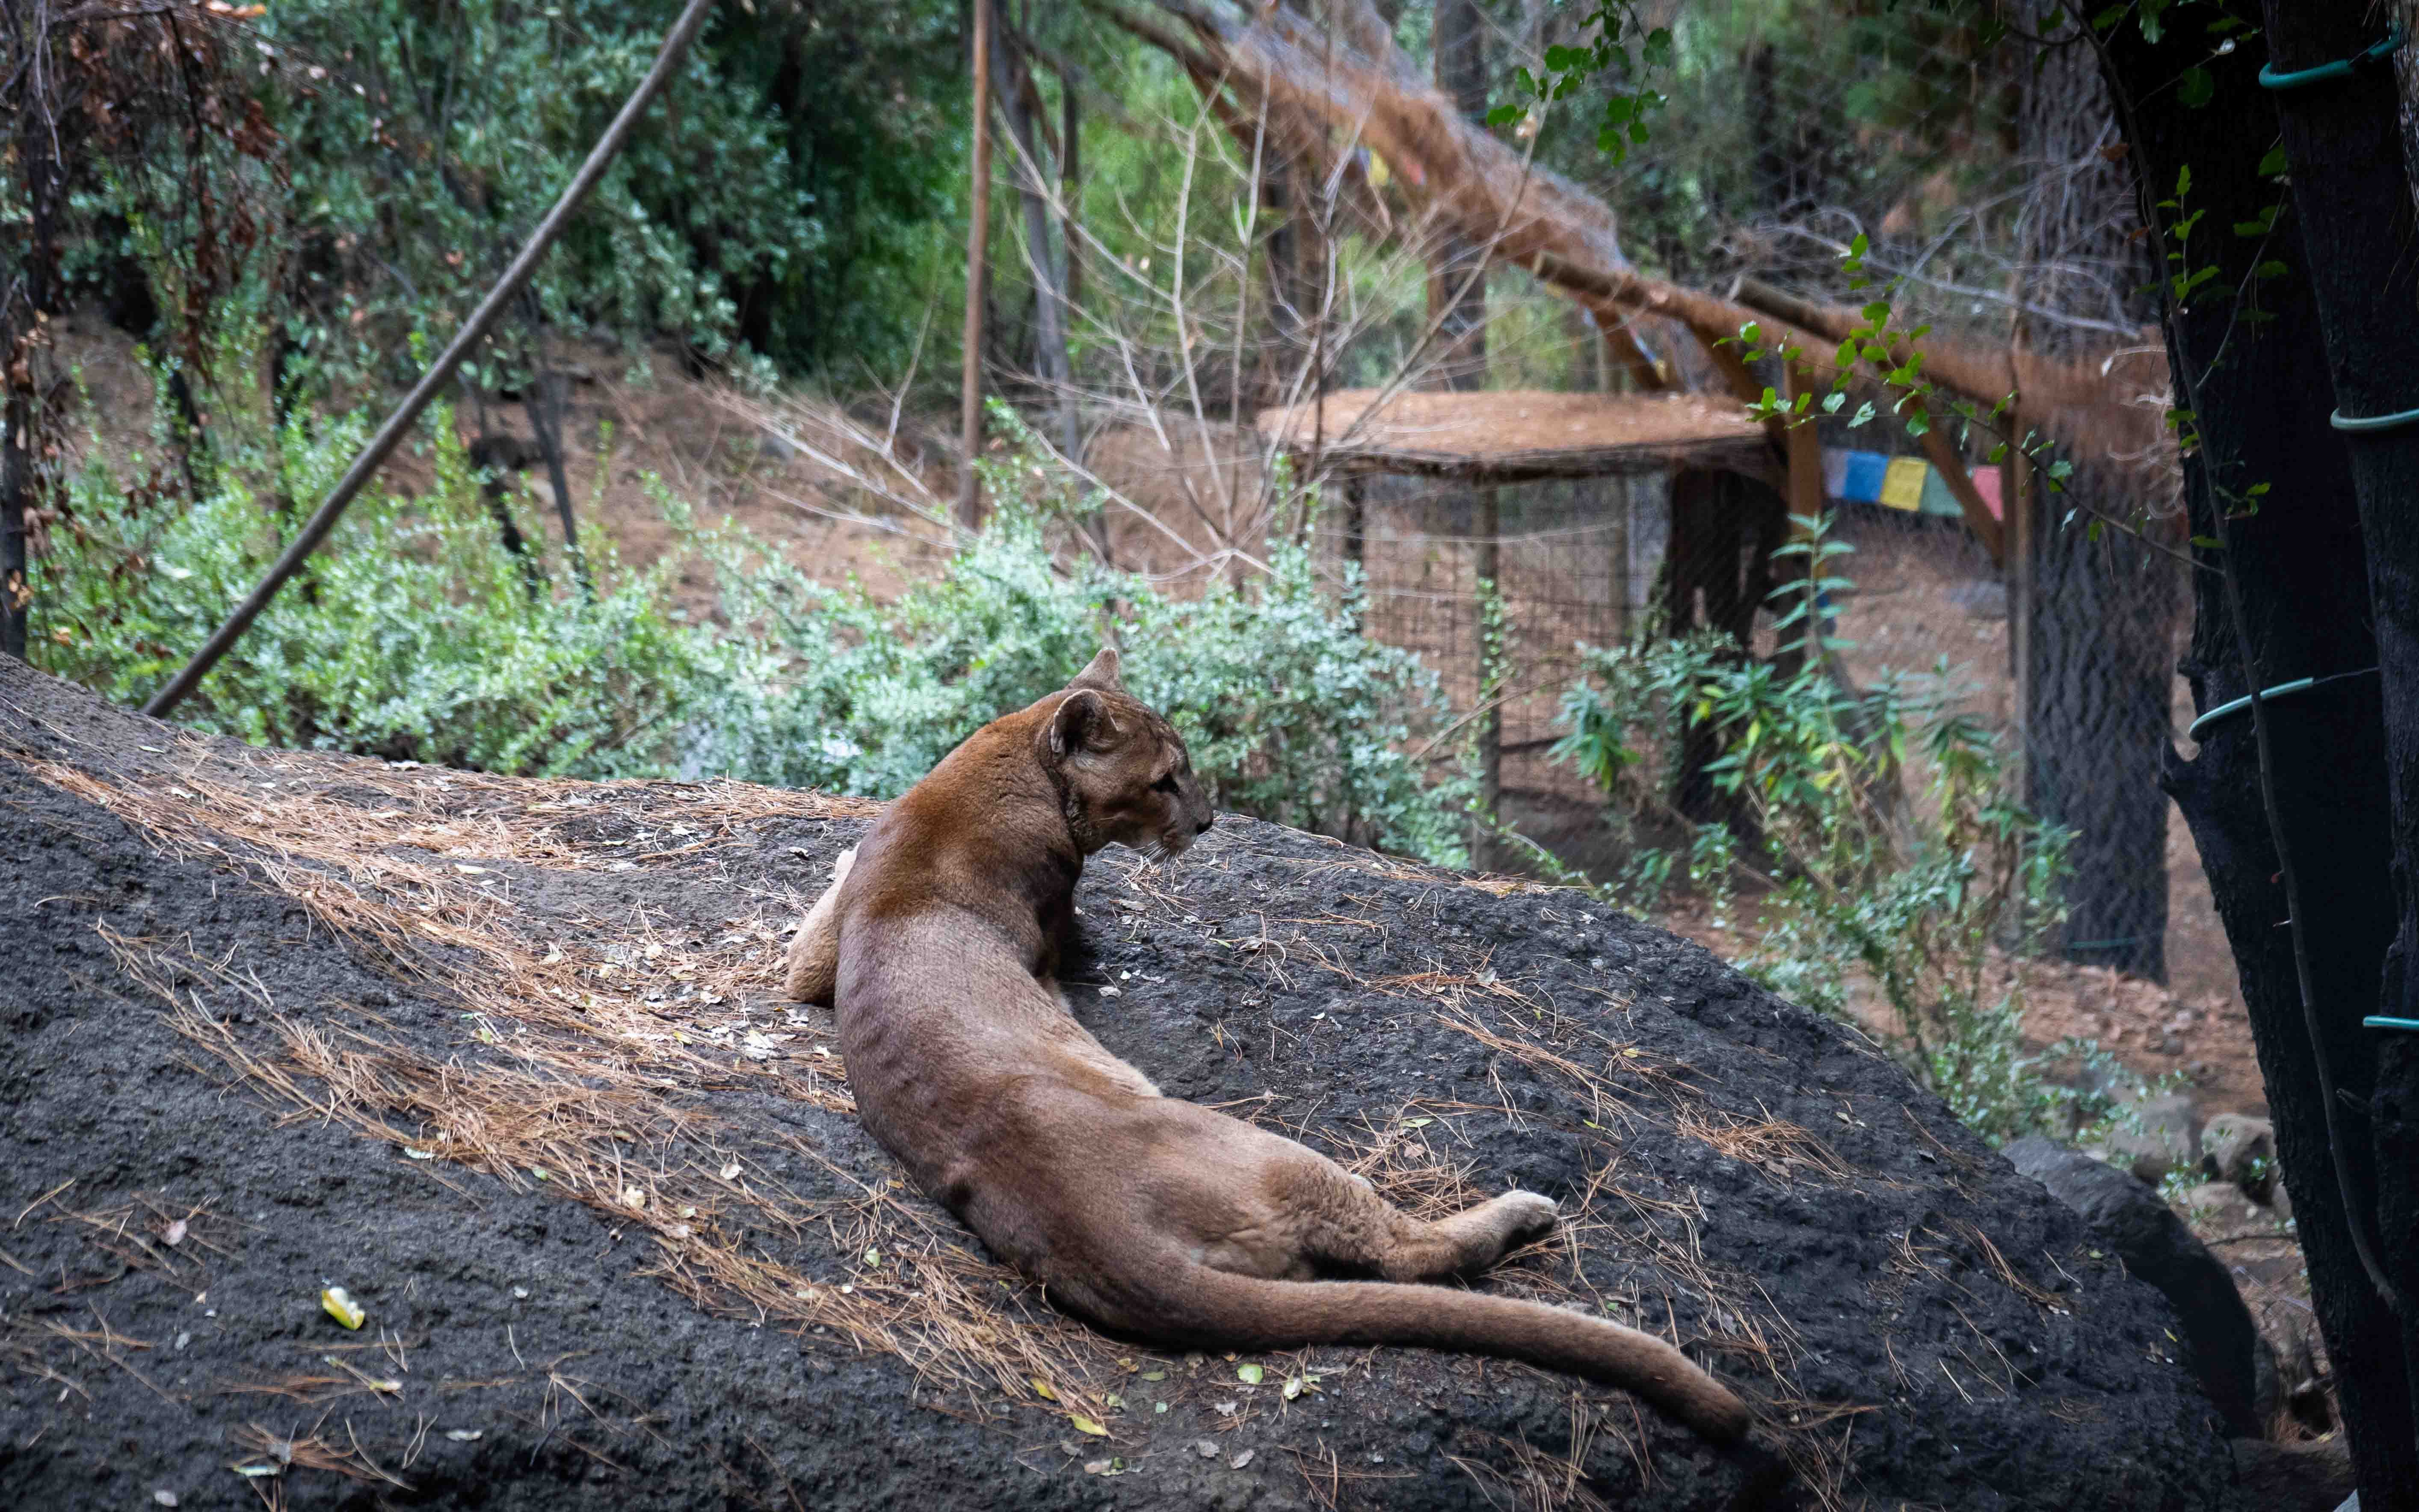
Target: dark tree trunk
<point>16,491</point>
<point>1012,82</point>
<point>494,457</point>
<point>1456,279</point>
<point>546,400</point>
<point>1716,573</point>
<point>2103,618</point>
<point>2261,394</point>
<point>2350,194</point>
<point>27,293</point>
<point>2103,610</point>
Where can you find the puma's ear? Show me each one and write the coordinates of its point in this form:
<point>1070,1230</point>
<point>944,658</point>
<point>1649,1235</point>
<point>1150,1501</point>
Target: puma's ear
<point>1102,674</point>
<point>1079,716</point>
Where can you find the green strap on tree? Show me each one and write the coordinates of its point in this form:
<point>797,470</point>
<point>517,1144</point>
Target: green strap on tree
<point>2362,425</point>
<point>2341,68</point>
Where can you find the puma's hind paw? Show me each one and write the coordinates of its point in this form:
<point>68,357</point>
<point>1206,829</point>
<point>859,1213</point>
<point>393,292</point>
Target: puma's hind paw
<point>1530,1213</point>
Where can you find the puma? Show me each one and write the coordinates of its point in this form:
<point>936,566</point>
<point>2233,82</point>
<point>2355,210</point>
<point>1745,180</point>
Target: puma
<point>937,943</point>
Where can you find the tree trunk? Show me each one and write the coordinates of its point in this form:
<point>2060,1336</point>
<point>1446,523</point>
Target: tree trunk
<point>970,427</point>
<point>545,401</point>
<point>2261,394</point>
<point>1717,572</point>
<point>27,293</point>
<point>2101,625</point>
<point>1457,279</point>
<point>2350,194</point>
<point>1014,82</point>
<point>16,492</point>
<point>2103,610</point>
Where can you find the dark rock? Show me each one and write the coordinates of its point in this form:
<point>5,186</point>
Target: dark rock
<point>2217,1329</point>
<point>2296,1477</point>
<point>2238,1148</point>
<point>2153,1136</point>
<point>1984,598</point>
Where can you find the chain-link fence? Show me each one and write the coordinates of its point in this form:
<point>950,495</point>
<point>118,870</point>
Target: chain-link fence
<point>1589,563</point>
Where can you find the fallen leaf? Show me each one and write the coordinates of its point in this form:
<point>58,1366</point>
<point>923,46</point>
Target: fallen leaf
<point>1206,1448</point>
<point>176,1235</point>
<point>1293,1387</point>
<point>163,1497</point>
<point>465,1435</point>
<point>1041,1389</point>
<point>1240,1460</point>
<point>341,1306</point>
<point>1417,1123</point>
<point>1085,1425</point>
<point>730,1172</point>
<point>1250,1375</point>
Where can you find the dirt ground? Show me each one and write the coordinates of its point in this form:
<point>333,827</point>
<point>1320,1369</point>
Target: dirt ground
<point>502,1059</point>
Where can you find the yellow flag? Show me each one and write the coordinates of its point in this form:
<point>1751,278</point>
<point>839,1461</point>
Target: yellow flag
<point>1902,486</point>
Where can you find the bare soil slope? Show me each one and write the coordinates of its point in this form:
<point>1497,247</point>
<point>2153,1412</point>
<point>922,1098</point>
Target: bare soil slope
<point>504,1059</point>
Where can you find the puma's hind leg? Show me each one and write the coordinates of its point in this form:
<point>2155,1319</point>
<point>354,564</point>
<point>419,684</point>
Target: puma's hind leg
<point>814,954</point>
<point>1350,1225</point>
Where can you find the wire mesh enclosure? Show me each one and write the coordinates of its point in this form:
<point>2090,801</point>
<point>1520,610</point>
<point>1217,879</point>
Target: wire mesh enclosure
<point>1586,563</point>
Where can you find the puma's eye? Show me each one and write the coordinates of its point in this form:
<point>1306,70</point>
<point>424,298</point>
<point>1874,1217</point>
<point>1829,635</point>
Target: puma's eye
<point>1166,784</point>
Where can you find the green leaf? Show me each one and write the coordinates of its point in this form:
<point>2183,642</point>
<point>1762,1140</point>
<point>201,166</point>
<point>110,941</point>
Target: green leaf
<point>2196,89</point>
<point>2273,164</point>
<point>1250,1374</point>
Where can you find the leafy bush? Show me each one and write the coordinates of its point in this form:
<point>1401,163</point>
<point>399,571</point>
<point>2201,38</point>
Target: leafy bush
<point>414,634</point>
<point>1858,882</point>
<point>1290,714</point>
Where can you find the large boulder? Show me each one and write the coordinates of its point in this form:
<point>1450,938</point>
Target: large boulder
<point>503,1059</point>
<point>2215,1325</point>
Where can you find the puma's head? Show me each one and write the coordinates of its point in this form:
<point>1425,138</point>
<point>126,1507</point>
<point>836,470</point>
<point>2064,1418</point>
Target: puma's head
<point>1124,770</point>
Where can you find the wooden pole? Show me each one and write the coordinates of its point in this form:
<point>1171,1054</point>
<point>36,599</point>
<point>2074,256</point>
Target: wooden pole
<point>2016,502</point>
<point>1803,445</point>
<point>970,398</point>
<point>1485,566</point>
<point>1624,509</point>
<point>474,330</point>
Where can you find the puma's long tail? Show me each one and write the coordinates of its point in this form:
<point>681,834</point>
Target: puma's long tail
<point>1236,1311</point>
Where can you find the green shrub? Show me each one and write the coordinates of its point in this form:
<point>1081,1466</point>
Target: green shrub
<point>1857,881</point>
<point>411,634</point>
<point>1290,714</point>
<point>414,634</point>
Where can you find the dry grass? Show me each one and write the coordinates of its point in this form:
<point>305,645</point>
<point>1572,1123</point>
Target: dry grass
<point>586,1060</point>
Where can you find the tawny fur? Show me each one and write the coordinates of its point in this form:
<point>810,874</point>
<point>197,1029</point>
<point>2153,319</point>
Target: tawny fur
<point>937,943</point>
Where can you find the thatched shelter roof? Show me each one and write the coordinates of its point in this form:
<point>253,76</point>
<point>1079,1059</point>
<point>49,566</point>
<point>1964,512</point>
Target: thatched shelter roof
<point>1517,436</point>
